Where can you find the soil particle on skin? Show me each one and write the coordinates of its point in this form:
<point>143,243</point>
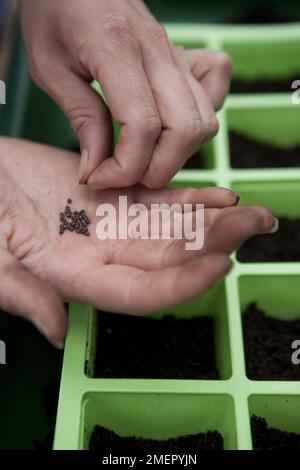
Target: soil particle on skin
<point>169,348</point>
<point>246,152</point>
<point>282,246</point>
<point>268,344</point>
<point>267,438</point>
<point>104,439</point>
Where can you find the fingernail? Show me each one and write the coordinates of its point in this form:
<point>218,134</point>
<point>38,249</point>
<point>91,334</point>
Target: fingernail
<point>238,198</point>
<point>275,227</point>
<point>84,160</point>
<point>59,345</point>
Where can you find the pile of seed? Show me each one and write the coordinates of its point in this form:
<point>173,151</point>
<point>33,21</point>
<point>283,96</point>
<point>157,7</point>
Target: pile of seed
<point>74,221</point>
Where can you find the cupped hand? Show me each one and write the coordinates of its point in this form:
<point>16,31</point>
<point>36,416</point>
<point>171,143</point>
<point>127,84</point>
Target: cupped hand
<point>163,96</point>
<point>41,269</point>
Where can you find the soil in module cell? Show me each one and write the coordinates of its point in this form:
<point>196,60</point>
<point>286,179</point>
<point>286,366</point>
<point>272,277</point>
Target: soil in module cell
<point>104,439</point>
<point>282,246</point>
<point>268,346</point>
<point>264,85</point>
<point>246,152</point>
<point>195,162</point>
<point>167,348</point>
<point>265,14</point>
<point>267,438</point>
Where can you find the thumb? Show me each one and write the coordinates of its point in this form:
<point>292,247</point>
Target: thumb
<point>88,115</point>
<point>25,295</point>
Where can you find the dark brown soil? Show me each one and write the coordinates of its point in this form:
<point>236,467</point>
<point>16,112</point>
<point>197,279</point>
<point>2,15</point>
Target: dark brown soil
<point>246,152</point>
<point>141,347</point>
<point>264,85</point>
<point>265,14</point>
<point>266,438</point>
<point>195,162</point>
<point>282,246</point>
<point>268,344</point>
<point>103,439</point>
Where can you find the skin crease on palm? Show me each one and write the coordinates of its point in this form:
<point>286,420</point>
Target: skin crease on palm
<point>41,269</point>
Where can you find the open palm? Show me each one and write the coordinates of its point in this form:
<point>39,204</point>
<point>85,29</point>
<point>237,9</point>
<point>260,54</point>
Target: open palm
<point>41,269</point>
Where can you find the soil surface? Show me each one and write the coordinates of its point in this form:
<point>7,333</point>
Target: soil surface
<point>102,439</point>
<point>265,14</point>
<point>141,347</point>
<point>264,85</point>
<point>268,344</point>
<point>282,246</point>
<point>195,162</point>
<point>266,438</point>
<point>246,152</point>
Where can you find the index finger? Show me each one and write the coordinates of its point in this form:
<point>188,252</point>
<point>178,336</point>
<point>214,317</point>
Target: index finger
<point>116,62</point>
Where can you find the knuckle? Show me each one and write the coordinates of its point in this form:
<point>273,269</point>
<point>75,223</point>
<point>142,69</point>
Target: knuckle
<point>156,32</point>
<point>116,26</point>
<point>224,61</point>
<point>211,127</point>
<point>191,133</point>
<point>149,127</point>
<point>79,118</point>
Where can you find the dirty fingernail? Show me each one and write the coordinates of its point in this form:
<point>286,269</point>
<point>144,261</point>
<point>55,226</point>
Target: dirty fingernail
<point>275,227</point>
<point>238,198</point>
<point>84,160</point>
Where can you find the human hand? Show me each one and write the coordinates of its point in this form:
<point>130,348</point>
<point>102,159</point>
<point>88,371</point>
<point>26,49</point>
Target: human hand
<point>163,96</point>
<point>41,269</point>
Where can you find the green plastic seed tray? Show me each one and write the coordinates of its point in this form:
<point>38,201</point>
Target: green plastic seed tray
<point>168,408</point>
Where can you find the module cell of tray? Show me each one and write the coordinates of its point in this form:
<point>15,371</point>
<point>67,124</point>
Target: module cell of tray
<point>265,137</point>
<point>187,342</point>
<point>282,198</point>
<point>270,307</point>
<point>264,66</point>
<point>203,159</point>
<point>190,421</point>
<point>275,422</point>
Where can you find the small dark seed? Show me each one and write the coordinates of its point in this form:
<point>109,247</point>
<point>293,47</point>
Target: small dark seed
<point>69,201</point>
<point>61,229</point>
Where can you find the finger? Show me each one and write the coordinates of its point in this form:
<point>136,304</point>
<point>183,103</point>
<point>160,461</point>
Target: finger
<point>129,97</point>
<point>207,113</point>
<point>35,300</point>
<point>136,291</point>
<point>213,70</point>
<point>182,128</point>
<point>210,197</point>
<point>153,254</point>
<point>89,116</point>
<point>234,226</point>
